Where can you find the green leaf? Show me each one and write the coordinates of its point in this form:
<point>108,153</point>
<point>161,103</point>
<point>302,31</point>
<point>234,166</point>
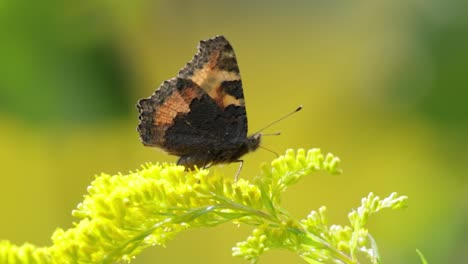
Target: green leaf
<point>421,256</point>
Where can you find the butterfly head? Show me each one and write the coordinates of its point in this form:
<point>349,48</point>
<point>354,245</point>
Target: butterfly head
<point>253,142</point>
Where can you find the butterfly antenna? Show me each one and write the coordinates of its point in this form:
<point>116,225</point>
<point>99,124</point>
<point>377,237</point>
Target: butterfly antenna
<point>272,134</point>
<point>269,150</point>
<point>297,110</point>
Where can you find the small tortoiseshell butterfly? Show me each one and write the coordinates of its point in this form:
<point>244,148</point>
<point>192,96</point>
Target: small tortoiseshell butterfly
<point>200,114</point>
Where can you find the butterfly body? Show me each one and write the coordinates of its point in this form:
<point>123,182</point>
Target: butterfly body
<point>200,114</point>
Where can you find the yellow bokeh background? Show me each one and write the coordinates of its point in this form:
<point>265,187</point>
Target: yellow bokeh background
<point>383,85</point>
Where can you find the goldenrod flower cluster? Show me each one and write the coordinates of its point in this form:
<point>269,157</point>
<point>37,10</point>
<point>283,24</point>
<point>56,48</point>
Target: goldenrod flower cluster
<point>123,214</point>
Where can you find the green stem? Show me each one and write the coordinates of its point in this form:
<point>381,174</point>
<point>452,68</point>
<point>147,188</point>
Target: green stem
<point>338,254</point>
<point>233,205</point>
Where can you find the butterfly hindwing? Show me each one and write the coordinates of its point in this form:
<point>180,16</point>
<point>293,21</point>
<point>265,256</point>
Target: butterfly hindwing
<point>158,112</point>
<point>193,120</point>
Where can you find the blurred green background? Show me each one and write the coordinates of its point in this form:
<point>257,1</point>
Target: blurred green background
<point>384,86</point>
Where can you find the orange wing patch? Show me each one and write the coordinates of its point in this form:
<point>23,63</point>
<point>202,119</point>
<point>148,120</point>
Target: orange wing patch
<point>176,103</point>
<point>210,77</point>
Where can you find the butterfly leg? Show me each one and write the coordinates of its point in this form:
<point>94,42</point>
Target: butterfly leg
<point>207,166</point>
<point>241,163</point>
<point>189,162</point>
